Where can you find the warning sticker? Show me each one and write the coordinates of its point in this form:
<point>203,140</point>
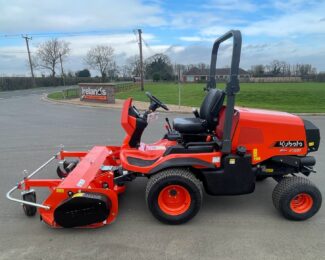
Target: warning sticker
<point>81,182</point>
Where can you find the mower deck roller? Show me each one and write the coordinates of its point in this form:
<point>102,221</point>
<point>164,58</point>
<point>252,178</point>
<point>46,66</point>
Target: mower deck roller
<point>82,209</point>
<point>223,149</point>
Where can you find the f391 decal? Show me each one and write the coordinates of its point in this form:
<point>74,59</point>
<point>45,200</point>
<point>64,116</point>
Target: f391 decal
<point>290,144</point>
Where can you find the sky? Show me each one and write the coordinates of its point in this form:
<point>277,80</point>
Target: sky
<point>291,30</point>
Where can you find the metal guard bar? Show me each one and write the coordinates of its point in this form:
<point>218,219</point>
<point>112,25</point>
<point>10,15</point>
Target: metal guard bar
<point>232,86</point>
<point>8,195</point>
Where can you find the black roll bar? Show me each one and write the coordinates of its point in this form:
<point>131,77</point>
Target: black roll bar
<point>232,86</point>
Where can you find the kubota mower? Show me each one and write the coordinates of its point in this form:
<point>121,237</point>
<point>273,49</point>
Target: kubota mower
<point>222,149</point>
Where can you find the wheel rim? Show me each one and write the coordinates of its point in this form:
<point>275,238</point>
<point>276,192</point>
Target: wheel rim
<point>174,200</point>
<point>301,203</point>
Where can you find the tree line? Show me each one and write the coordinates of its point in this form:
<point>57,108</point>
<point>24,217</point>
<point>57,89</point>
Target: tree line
<point>51,54</point>
<point>101,58</point>
<point>282,69</point>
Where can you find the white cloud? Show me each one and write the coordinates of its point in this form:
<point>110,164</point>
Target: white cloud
<point>294,5</point>
<point>303,22</point>
<point>215,30</point>
<point>191,38</point>
<point>232,5</point>
<point>73,15</point>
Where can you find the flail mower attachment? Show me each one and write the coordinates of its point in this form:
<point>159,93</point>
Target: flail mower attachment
<point>84,196</point>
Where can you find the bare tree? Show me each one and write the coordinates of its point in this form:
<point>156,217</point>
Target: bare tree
<point>112,70</point>
<point>258,70</point>
<point>48,55</point>
<point>100,58</point>
<point>133,66</point>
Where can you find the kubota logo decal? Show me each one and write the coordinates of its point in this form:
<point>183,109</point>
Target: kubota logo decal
<point>290,144</point>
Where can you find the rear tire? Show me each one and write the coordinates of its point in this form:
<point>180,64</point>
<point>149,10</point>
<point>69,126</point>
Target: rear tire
<point>297,198</point>
<point>174,196</point>
<point>29,211</point>
<point>260,178</point>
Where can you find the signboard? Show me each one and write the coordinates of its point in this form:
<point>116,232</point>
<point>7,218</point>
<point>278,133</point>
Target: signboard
<point>97,92</point>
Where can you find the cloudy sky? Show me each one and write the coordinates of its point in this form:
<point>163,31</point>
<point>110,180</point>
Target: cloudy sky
<point>291,30</point>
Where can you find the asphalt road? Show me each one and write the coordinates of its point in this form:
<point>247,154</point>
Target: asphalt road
<point>239,227</point>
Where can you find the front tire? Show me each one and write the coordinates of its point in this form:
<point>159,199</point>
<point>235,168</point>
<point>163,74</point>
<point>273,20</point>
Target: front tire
<point>174,196</point>
<point>297,198</point>
<point>29,210</point>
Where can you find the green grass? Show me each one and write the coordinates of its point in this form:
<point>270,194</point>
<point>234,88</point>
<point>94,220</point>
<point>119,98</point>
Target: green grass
<point>64,94</point>
<point>55,95</point>
<point>290,97</point>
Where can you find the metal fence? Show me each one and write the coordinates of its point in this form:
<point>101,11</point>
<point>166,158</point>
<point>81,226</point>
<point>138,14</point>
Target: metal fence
<point>118,87</point>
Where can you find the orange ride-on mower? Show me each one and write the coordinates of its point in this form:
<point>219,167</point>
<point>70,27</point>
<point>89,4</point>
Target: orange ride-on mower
<point>223,149</point>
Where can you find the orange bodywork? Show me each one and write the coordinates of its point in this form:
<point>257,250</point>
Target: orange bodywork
<point>87,176</point>
<point>259,131</point>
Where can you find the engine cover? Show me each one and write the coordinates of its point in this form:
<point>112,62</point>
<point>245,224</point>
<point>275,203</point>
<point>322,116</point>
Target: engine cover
<point>82,209</point>
<point>266,134</point>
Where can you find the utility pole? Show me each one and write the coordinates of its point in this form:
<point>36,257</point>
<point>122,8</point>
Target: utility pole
<point>62,73</point>
<point>29,58</point>
<point>141,59</point>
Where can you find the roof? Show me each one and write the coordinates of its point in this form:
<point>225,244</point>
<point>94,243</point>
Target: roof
<point>205,72</point>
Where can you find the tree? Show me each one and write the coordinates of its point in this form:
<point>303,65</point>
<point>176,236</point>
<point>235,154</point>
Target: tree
<point>85,73</point>
<point>112,70</point>
<point>275,67</point>
<point>48,54</point>
<point>159,64</point>
<point>132,66</point>
<point>258,70</point>
<point>100,58</point>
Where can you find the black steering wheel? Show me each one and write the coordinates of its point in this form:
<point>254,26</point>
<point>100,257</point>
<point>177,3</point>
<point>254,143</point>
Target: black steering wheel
<point>155,102</point>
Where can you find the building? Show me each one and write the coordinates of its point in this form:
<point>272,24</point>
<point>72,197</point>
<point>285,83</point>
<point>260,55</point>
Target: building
<point>198,75</point>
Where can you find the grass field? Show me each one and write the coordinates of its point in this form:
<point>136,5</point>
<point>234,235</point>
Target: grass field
<point>68,93</point>
<point>290,97</point>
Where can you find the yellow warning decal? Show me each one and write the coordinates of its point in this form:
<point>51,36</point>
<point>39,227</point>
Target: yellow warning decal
<point>255,155</point>
<point>78,195</point>
<point>59,190</point>
<point>232,161</point>
<point>311,143</point>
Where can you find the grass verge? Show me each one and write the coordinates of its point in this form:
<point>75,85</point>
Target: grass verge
<point>306,97</point>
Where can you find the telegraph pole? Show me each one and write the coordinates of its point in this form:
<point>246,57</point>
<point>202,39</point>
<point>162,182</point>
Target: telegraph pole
<point>62,73</point>
<point>29,58</point>
<point>141,59</point>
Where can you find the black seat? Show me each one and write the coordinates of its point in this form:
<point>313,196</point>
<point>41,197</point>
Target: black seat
<point>208,116</point>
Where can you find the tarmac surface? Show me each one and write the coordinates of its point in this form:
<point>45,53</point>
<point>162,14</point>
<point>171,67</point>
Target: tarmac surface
<point>238,227</point>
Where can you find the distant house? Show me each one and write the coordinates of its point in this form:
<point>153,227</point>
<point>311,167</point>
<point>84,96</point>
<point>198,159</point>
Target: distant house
<point>196,75</point>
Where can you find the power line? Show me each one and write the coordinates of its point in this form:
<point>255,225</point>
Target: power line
<point>6,52</point>
<point>49,34</point>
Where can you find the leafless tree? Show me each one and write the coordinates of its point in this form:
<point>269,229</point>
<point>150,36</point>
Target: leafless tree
<point>100,58</point>
<point>112,70</point>
<point>133,66</point>
<point>48,55</point>
<point>258,70</point>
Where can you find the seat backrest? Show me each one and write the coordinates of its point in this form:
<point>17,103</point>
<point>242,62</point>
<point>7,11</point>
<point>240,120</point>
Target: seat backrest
<point>211,106</point>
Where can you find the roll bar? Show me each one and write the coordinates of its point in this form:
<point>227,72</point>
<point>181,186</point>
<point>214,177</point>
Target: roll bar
<point>232,86</point>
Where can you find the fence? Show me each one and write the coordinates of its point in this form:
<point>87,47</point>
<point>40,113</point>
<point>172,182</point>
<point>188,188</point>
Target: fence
<point>123,86</point>
<point>274,79</point>
<point>15,83</point>
<point>118,87</point>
